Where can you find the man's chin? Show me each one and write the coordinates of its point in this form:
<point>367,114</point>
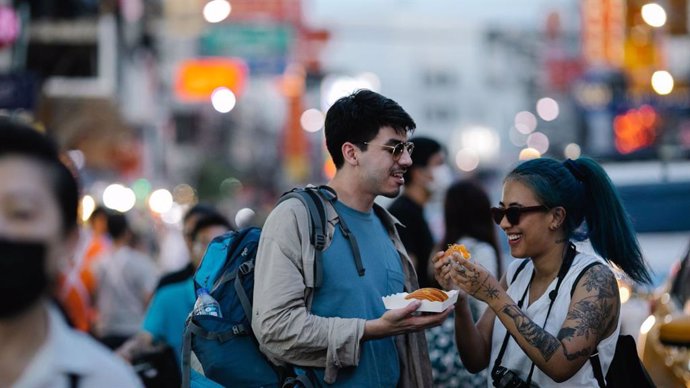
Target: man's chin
<point>391,193</point>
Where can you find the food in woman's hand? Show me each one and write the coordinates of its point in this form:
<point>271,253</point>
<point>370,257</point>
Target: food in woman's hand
<point>459,248</point>
<point>429,293</point>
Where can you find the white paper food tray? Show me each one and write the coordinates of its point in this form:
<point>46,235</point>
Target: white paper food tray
<point>397,301</point>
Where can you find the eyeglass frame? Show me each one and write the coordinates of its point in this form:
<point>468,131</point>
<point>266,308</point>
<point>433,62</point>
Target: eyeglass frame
<point>408,145</point>
<point>514,213</point>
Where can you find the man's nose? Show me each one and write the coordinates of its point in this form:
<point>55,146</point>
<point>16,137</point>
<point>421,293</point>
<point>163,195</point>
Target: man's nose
<point>405,158</point>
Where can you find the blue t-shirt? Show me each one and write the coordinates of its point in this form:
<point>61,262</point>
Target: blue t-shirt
<point>347,295</point>
<point>168,311</point>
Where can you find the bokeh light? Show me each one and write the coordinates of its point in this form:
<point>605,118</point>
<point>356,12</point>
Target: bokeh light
<point>547,109</point>
<point>653,14</point>
<point>87,207</point>
<point>160,201</point>
<point>483,140</point>
<point>244,217</point>
<point>223,99</point>
<point>184,194</point>
<point>142,189</point>
<point>538,141</point>
<point>662,82</point>
<point>525,122</point>
<point>230,186</point>
<point>529,153</point>
<point>312,120</point>
<point>119,197</point>
<point>467,159</point>
<point>572,151</point>
<point>216,11</point>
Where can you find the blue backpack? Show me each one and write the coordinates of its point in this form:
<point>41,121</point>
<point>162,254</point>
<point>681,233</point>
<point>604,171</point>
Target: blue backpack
<point>225,347</point>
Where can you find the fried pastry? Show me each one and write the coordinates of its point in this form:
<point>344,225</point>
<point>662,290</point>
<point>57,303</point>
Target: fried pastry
<point>428,293</point>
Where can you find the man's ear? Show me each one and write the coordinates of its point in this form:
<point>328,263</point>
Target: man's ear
<point>350,153</point>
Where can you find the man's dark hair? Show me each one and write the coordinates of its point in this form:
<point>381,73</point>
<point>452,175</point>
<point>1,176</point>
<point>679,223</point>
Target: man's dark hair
<point>207,220</point>
<point>98,211</point>
<point>23,140</point>
<point>424,149</point>
<point>200,209</point>
<point>357,119</point>
<point>117,225</point>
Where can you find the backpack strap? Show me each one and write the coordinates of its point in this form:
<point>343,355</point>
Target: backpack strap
<point>314,199</point>
<point>316,209</point>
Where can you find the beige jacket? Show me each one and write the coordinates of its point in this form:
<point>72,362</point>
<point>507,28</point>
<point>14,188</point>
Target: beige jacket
<point>284,281</point>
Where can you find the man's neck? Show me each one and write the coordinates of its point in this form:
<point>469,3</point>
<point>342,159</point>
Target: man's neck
<point>350,194</point>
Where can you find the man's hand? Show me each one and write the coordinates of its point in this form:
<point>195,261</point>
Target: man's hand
<point>403,320</point>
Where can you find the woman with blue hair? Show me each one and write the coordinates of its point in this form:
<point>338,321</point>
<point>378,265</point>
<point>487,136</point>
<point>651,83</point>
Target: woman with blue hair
<point>555,307</point>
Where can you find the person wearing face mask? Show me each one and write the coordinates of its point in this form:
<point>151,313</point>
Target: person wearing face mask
<point>428,176</point>
<point>38,233</point>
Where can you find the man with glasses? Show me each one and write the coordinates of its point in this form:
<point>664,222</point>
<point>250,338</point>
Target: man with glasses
<point>340,332</point>
<point>429,175</point>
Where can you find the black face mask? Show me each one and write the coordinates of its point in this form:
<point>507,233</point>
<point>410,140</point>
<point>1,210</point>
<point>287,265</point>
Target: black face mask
<point>23,276</point>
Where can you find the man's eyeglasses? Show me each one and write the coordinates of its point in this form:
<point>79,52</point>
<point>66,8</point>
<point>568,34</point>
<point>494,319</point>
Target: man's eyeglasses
<point>513,213</point>
<point>396,150</point>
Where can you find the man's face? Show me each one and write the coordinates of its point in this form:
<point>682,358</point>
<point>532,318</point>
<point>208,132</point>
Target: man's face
<point>380,172</point>
<point>426,177</point>
<point>29,210</point>
<point>187,227</point>
<point>203,238</point>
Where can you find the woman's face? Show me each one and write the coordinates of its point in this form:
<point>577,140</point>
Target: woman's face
<point>29,210</point>
<point>530,237</point>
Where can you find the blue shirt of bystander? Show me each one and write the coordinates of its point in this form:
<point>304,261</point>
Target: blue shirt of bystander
<point>168,311</point>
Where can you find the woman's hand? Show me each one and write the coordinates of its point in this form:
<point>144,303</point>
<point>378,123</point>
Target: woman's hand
<point>472,278</point>
<point>442,269</point>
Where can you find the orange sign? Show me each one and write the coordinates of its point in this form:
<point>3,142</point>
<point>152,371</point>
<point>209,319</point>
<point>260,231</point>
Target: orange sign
<point>197,78</point>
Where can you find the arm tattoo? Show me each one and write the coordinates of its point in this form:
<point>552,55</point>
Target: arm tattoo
<point>593,315</point>
<point>533,334</point>
<point>491,291</point>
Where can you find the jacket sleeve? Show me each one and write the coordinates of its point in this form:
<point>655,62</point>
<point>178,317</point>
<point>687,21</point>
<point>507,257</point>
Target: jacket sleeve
<point>286,331</point>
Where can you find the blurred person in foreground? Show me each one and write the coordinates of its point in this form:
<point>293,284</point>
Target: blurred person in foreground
<point>467,218</point>
<point>428,175</point>
<point>38,233</point>
<point>126,280</point>
<point>532,333</point>
<point>173,299</point>
<point>347,337</point>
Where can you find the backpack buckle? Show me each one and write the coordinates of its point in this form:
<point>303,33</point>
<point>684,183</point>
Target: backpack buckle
<point>319,241</point>
<point>245,268</point>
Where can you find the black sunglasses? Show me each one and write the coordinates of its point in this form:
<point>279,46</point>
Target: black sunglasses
<point>396,150</point>
<point>513,213</point>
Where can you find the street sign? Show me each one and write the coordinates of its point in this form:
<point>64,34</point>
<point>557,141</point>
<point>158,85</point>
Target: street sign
<point>265,46</point>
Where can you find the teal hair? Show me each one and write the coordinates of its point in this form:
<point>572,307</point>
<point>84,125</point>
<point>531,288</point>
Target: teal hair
<point>593,208</point>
